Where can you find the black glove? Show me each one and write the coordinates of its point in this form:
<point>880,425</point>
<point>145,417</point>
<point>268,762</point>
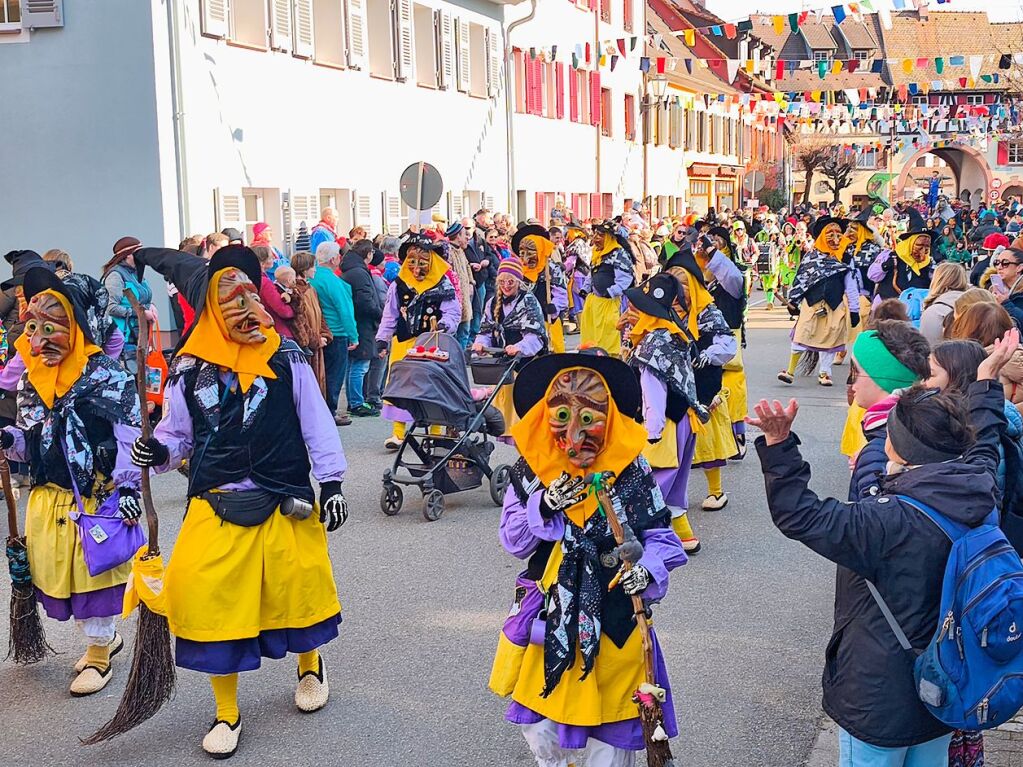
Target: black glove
<point>552,310</point>
<point>381,347</point>
<point>6,439</point>
<point>333,506</point>
<point>793,310</point>
<point>128,503</point>
<point>854,318</point>
<point>148,453</point>
<point>563,493</point>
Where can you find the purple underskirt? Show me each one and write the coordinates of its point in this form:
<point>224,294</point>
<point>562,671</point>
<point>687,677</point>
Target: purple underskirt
<point>102,603</point>
<point>711,464</point>
<point>674,482</point>
<point>626,734</point>
<point>234,655</point>
<point>738,427</point>
<point>392,413</point>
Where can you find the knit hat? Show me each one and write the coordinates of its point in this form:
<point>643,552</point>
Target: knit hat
<point>877,362</point>
<point>259,228</point>
<point>511,265</point>
<point>995,239</point>
<point>453,230</point>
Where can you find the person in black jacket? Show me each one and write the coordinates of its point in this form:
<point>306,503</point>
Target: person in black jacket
<point>368,311</point>
<point>939,455</point>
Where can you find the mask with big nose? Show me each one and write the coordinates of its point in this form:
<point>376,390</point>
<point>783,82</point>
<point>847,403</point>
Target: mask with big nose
<point>48,328</point>
<point>528,253</point>
<point>243,313</point>
<point>419,262</point>
<point>577,408</point>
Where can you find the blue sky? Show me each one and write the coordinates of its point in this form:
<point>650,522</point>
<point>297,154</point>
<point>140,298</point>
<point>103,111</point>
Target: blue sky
<point>730,10</point>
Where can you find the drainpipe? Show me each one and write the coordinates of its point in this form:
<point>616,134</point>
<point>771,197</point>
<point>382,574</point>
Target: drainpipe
<point>509,107</point>
<point>177,104</point>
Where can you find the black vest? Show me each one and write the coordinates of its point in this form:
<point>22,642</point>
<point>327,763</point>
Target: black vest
<point>271,452</point>
<point>902,276</point>
<point>52,467</point>
<point>732,308</point>
<point>708,378</point>
<point>430,309</point>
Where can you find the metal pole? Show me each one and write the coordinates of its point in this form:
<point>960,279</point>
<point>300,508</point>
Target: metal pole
<point>596,63</point>
<point>509,111</point>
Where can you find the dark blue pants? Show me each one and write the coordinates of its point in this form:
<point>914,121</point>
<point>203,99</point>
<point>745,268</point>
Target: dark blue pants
<point>335,363</point>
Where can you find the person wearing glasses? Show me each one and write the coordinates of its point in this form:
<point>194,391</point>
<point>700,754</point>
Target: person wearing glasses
<point>1008,287</point>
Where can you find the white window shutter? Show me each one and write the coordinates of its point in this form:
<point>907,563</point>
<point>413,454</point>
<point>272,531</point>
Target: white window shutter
<point>405,58</point>
<point>495,61</point>
<point>363,209</point>
<point>488,202</point>
<point>456,207</point>
<point>392,213</point>
<point>357,34</point>
<point>464,60</point>
<point>37,14</point>
<point>280,25</point>
<point>302,20</point>
<point>228,204</point>
<point>214,17</point>
<point>446,30</point>
<point>305,206</point>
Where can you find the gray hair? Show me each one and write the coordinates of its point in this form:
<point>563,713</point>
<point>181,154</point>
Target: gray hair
<point>327,252</point>
<point>390,245</point>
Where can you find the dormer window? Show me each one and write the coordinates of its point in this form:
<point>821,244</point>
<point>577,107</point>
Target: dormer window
<point>861,55</point>
<point>822,56</point>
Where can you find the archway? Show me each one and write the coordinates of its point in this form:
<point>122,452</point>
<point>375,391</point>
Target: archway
<point>965,167</point>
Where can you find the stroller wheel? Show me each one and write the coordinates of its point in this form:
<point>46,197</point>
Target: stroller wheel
<point>433,505</point>
<point>391,499</point>
<point>499,482</point>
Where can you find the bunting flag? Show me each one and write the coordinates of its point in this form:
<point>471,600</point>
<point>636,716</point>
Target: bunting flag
<point>614,62</point>
<point>839,13</point>
<point>779,25</point>
<point>733,70</point>
<point>621,45</point>
<point>690,37</point>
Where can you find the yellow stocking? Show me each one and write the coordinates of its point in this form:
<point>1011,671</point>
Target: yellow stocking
<point>713,481</point>
<point>793,361</point>
<point>225,692</point>
<point>399,430</point>
<point>98,656</point>
<point>682,528</point>
<point>308,662</point>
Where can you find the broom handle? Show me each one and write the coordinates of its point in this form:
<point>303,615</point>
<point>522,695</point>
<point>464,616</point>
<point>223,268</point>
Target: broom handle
<point>12,506</point>
<point>141,350</point>
<point>604,499</point>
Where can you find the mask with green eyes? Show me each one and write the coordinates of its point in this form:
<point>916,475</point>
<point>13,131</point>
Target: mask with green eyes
<point>577,408</point>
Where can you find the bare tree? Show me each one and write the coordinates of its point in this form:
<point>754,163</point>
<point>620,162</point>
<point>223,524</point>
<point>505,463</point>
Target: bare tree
<point>838,168</point>
<point>810,151</point>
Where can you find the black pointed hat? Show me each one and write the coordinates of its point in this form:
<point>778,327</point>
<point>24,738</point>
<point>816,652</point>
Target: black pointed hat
<point>535,378</point>
<point>527,231</point>
<point>21,261</point>
<point>683,258</point>
<point>418,240</point>
<point>85,294</point>
<point>657,295</point>
<point>823,221</point>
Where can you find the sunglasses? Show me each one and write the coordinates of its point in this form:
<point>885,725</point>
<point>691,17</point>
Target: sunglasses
<point>999,262</point>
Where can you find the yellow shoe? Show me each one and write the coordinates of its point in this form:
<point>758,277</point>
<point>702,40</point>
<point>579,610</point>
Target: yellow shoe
<point>222,740</point>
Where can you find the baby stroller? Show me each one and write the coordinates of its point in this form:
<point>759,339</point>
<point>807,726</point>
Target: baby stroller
<point>431,384</point>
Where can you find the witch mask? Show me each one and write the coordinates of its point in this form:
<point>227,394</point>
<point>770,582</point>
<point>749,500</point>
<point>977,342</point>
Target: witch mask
<point>528,253</point>
<point>243,313</point>
<point>577,407</point>
<point>833,236</point>
<point>921,249</point>
<point>48,328</point>
<point>419,262</point>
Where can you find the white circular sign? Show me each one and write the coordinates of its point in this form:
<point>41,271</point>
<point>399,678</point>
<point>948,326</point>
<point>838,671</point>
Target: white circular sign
<point>993,194</point>
<point>996,183</point>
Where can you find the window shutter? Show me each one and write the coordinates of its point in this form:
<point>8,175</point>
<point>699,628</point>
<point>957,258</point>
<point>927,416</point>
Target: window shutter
<point>228,208</point>
<point>595,205</point>
<point>573,96</point>
<point>357,34</point>
<point>609,204</point>
<point>39,14</point>
<point>594,98</point>
<point>302,20</point>
<point>280,25</point>
<point>464,60</point>
<point>574,203</point>
<point>362,209</point>
<point>627,15</point>
<point>559,89</point>
<point>456,206</point>
<point>447,50</point>
<point>488,201</point>
<point>495,62</point>
<point>404,60</point>
<point>541,207</point>
<point>304,209</point>
<point>534,87</point>
<point>391,204</point>
<point>1003,152</point>
<point>214,17</point>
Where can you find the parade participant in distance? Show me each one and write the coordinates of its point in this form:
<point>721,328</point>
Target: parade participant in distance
<point>577,270</point>
<point>611,267</point>
<point>864,248</point>
<point>824,290</point>
<point>544,277</point>
<point>571,665</point>
<point>250,576</point>
<point>419,300</point>
<point>908,265</point>
<point>78,414</point>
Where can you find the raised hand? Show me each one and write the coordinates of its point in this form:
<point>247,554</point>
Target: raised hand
<point>774,420</point>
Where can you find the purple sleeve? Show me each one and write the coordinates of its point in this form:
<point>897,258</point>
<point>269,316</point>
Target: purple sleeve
<point>12,372</point>
<point>876,270</point>
<point>450,315</point>
<point>318,428</point>
<point>389,320</point>
<point>852,291</point>
<point>722,349</point>
<point>19,450</point>
<point>559,297</point>
<point>662,553</point>
<point>655,401</point>
<point>726,273</point>
<point>530,345</point>
<point>126,474</point>
<point>622,281</point>
<point>523,527</point>
<point>175,428</point>
<point>112,348</point>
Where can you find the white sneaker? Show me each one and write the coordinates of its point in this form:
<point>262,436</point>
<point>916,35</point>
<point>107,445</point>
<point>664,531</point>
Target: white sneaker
<point>222,740</point>
<point>312,691</point>
<point>714,502</point>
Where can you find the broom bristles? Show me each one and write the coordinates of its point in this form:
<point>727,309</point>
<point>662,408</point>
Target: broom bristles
<point>27,642</point>
<point>150,681</point>
<point>658,752</point>
<point>808,363</point>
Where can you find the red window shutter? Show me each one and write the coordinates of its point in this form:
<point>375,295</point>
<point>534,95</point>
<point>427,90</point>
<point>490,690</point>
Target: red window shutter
<point>595,205</point>
<point>559,89</point>
<point>627,15</point>
<point>593,5</point>
<point>961,99</point>
<point>534,84</point>
<point>594,98</point>
<point>1003,153</point>
<point>574,203</point>
<point>573,97</point>
<point>527,69</point>
<point>608,205</point>
<point>541,207</point>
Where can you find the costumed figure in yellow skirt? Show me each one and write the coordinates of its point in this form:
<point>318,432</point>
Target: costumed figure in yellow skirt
<point>571,655</point>
<point>250,577</point>
<point>825,297</point>
<point>665,336</point>
<point>78,415</point>
<point>420,297</point>
<point>864,248</point>
<point>611,273</point>
<point>545,277</point>
<point>577,271</point>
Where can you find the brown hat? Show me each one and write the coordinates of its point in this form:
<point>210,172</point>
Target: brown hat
<point>123,248</point>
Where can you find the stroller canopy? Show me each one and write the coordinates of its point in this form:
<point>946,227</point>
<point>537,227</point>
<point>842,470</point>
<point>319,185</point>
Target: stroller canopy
<point>430,390</point>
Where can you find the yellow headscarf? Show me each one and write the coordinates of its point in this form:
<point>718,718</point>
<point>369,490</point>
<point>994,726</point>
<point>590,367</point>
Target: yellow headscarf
<point>904,249</point>
<point>862,235</point>
<point>822,245</point>
<point>610,243</point>
<point>53,382</point>
<point>544,248</point>
<point>624,440</point>
<point>438,268</point>
<point>209,341</point>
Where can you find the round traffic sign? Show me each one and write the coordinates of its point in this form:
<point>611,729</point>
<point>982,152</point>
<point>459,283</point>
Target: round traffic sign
<point>421,186</point>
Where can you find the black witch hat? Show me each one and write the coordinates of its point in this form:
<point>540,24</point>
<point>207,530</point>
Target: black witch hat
<point>657,295</point>
<point>823,221</point>
<point>527,231</point>
<point>85,294</point>
<point>917,225</point>
<point>21,261</point>
<point>685,259</point>
<point>535,378</point>
<point>421,241</point>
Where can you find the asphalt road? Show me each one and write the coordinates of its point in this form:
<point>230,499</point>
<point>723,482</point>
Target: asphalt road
<point>743,630</point>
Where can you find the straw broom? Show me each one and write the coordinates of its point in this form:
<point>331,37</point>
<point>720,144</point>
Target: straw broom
<point>649,696</point>
<point>151,679</point>
<point>27,637</point>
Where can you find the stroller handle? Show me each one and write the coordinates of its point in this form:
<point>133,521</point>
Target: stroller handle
<point>494,351</point>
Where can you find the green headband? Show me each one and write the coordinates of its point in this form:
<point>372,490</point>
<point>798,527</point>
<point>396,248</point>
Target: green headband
<point>884,369</point>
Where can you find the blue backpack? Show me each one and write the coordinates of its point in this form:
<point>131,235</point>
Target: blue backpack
<point>970,675</point>
<point>913,298</point>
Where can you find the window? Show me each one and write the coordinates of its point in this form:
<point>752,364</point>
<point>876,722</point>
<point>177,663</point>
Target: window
<point>1015,152</point>
<point>821,56</point>
<point>478,57</point>
<point>329,40</point>
<point>249,23</point>
<point>10,14</point>
<point>521,71</point>
<point>426,46</point>
<point>381,40</point>
<point>867,159</point>
<point>861,55</point>
<point>627,15</point>
<point>975,98</point>
<point>630,117</point>
<point>549,106</point>
<point>605,111</point>
<point>605,11</point>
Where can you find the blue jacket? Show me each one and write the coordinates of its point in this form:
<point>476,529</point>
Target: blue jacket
<point>871,464</point>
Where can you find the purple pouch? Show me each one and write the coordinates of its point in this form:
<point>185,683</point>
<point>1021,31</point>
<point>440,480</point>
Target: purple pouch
<point>106,540</point>
<point>525,612</point>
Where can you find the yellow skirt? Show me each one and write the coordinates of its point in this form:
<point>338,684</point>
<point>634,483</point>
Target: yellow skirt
<point>853,440</point>
<point>716,440</point>
<point>226,581</point>
<point>733,378</point>
<point>598,321</point>
<point>55,550</point>
<point>503,402</point>
<point>399,349</point>
<point>556,336</point>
